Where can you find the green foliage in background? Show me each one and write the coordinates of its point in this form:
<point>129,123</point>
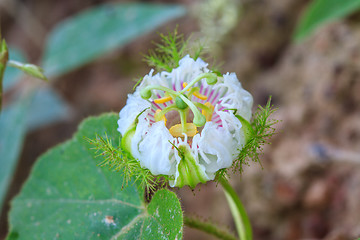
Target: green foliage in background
<point>68,196</point>
<point>74,42</point>
<point>31,110</point>
<point>12,133</point>
<point>320,12</point>
<point>46,107</point>
<point>86,36</point>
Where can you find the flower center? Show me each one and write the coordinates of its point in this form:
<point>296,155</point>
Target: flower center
<point>183,104</point>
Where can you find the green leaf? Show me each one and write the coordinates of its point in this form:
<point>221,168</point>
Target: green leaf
<point>36,109</point>
<point>88,35</point>
<point>68,196</point>
<point>162,219</point>
<point>29,69</point>
<point>320,12</point>
<point>46,107</point>
<point>12,133</point>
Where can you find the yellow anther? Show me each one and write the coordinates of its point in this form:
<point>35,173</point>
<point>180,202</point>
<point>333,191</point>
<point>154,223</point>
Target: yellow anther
<point>184,86</point>
<point>206,113</point>
<point>163,100</point>
<point>176,130</point>
<point>156,116</point>
<point>200,96</point>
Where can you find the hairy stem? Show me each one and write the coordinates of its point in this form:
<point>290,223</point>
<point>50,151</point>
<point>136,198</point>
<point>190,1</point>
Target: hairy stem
<point>241,219</point>
<point>4,57</point>
<point>208,228</point>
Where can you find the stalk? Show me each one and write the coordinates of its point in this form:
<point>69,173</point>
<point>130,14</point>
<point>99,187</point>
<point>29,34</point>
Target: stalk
<point>240,216</point>
<point>208,228</point>
<point>4,57</point>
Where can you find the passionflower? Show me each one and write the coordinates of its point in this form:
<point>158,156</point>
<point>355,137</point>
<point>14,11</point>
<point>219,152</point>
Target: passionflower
<point>182,123</point>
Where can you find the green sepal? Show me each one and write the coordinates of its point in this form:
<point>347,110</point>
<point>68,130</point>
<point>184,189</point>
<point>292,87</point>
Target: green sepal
<point>190,172</point>
<point>248,130</point>
<point>126,139</point>
<point>129,134</point>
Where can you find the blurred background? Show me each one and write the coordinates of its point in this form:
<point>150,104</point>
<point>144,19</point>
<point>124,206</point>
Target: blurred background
<point>308,183</point>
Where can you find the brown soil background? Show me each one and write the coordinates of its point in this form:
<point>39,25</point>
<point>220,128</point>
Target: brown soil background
<point>309,184</point>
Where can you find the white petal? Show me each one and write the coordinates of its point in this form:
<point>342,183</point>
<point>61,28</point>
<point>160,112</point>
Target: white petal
<point>236,97</point>
<point>155,149</point>
<point>134,105</point>
<point>232,125</point>
<point>187,71</point>
<point>216,147</point>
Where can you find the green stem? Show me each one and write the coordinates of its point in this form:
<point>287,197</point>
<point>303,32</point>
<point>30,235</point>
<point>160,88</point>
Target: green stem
<point>2,70</point>
<point>242,221</point>
<point>208,228</point>
<point>4,57</point>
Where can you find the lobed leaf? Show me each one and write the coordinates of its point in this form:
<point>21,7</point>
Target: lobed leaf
<point>68,196</point>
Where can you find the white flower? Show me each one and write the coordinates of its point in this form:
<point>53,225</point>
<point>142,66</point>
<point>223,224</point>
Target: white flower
<point>182,123</point>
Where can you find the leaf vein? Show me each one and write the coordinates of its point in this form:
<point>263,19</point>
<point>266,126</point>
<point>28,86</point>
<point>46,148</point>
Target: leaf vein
<point>80,201</point>
<point>127,227</point>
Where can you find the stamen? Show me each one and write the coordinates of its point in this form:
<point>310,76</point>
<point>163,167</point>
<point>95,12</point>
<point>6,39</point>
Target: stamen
<point>160,114</point>
<point>176,130</point>
<point>208,114</point>
<point>211,79</point>
<point>163,100</point>
<point>200,96</point>
<point>157,118</point>
<point>184,85</point>
<point>146,92</point>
